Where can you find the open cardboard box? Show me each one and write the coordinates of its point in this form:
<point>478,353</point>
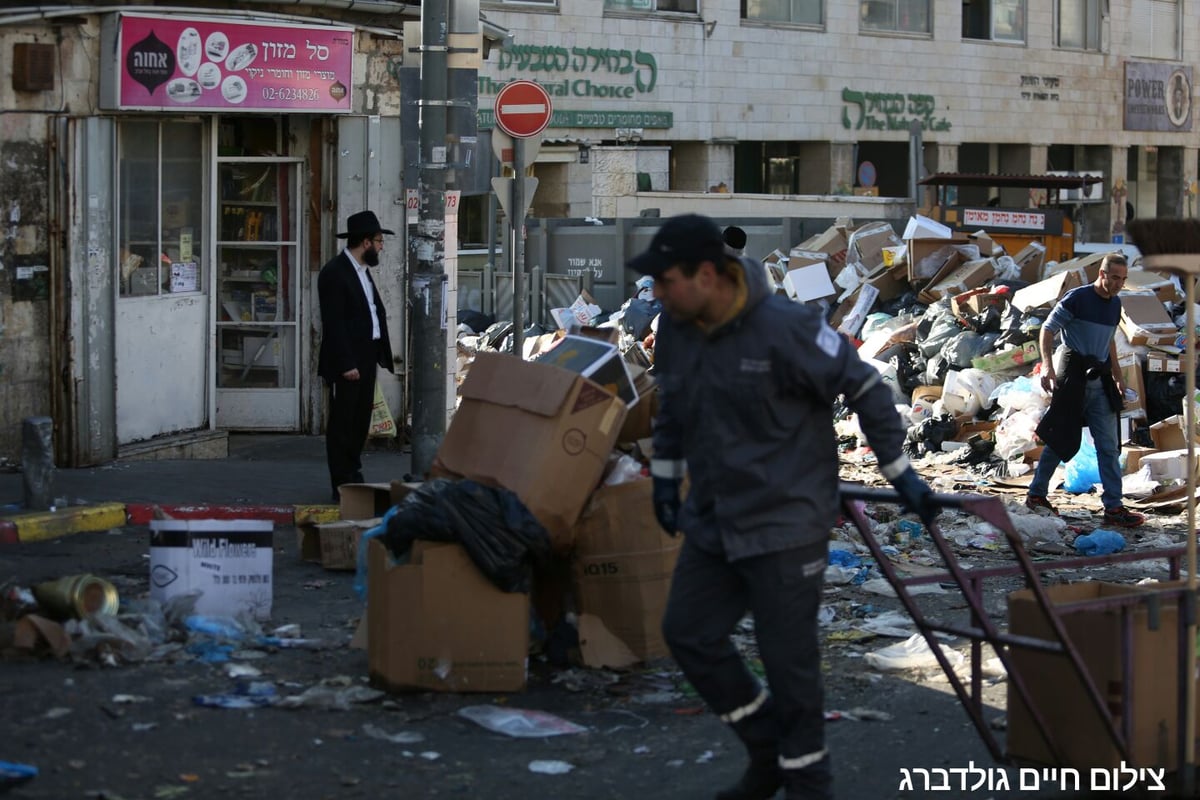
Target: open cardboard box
<point>438,624</point>
<point>1054,686</point>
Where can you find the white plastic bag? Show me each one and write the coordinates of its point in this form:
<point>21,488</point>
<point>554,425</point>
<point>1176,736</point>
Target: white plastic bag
<point>913,653</point>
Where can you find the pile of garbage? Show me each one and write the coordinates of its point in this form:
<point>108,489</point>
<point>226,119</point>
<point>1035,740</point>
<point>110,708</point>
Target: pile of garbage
<point>951,321</point>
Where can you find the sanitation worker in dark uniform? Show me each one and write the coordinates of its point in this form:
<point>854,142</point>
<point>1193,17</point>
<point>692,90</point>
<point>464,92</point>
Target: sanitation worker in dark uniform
<point>748,381</point>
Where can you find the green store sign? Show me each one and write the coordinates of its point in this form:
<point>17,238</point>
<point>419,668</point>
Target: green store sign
<point>877,111</point>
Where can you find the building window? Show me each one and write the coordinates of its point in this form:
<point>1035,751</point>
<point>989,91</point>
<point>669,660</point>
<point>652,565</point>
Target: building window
<point>801,12</point>
<point>544,3</point>
<point>1079,24</point>
<point>901,16</point>
<point>996,20</point>
<point>160,207</point>
<point>688,6</point>
<point>1154,28</point>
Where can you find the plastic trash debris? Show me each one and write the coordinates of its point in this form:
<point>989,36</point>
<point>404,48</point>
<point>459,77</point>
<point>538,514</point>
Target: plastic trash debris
<point>880,586</point>
<point>256,694</point>
<point>1036,528</point>
<point>704,757</point>
<point>550,767</point>
<point>12,774</point>
<point>1099,542</point>
<point>843,558</point>
<point>1082,471</point>
<point>519,723</point>
<point>913,653</point>
<point>403,737</point>
<point>860,714</point>
<point>324,696</point>
<point>890,623</point>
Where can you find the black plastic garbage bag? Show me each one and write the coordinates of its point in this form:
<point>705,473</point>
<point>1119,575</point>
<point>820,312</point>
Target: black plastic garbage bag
<point>1164,394</point>
<point>638,316</point>
<point>475,320</point>
<point>927,435</point>
<point>987,321</point>
<point>499,533</point>
<point>962,347</point>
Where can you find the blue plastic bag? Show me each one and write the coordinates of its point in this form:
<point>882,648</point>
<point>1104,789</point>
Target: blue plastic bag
<point>360,573</point>
<point>1083,471</point>
<point>1099,542</point>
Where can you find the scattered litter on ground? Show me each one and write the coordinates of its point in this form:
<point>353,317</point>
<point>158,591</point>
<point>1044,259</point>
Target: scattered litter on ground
<point>550,767</point>
<point>519,723</point>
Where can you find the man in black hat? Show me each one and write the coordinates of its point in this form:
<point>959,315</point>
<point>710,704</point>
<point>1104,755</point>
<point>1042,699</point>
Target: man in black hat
<point>354,339</point>
<point>748,381</point>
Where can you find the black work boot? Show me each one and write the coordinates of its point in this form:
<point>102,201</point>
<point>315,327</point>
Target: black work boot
<point>760,781</point>
<point>814,782</point>
<point>759,732</point>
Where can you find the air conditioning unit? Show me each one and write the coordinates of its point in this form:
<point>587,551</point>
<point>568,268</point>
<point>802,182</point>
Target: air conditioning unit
<point>1094,193</point>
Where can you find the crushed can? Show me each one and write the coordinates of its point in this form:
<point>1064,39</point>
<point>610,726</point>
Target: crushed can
<point>77,596</point>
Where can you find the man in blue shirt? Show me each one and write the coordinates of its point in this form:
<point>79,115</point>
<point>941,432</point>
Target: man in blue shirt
<point>1089,391</point>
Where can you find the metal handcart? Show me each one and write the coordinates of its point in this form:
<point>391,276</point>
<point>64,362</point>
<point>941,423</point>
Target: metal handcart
<point>981,630</point>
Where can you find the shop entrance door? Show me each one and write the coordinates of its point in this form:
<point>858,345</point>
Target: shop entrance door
<point>257,277</point>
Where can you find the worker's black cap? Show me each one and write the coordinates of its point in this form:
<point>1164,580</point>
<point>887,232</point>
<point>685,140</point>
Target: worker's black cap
<point>686,239</point>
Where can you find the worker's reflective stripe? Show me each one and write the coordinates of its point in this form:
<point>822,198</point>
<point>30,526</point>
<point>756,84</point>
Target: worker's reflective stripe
<point>739,714</point>
<point>664,468</point>
<point>892,471</point>
<point>800,762</point>
<point>867,384</point>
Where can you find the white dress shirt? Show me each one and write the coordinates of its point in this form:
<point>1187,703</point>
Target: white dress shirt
<point>370,295</point>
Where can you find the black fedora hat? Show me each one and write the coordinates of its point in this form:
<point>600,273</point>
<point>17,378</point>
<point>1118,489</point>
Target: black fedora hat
<point>364,223</point>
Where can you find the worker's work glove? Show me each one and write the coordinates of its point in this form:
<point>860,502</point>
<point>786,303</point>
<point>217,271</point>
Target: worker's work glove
<point>916,495</point>
<point>666,504</point>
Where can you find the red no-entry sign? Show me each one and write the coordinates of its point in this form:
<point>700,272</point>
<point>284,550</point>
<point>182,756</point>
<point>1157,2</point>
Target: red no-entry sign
<point>523,109</point>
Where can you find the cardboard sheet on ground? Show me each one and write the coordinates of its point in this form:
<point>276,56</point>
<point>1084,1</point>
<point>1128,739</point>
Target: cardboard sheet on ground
<point>600,647</point>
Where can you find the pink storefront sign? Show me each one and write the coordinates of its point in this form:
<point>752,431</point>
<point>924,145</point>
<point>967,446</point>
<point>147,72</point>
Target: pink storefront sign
<point>216,65</point>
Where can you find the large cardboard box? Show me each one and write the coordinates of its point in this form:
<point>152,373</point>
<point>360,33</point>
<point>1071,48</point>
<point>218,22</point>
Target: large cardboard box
<point>539,431</point>
<point>337,542</point>
<point>832,242</point>
<point>1055,689</point>
<point>231,563</point>
<point>437,623</point>
<point>1044,294</point>
<point>968,276</point>
<point>1029,259</point>
<point>850,315</point>
<point>1161,362</point>
<point>1141,280</point>
<point>622,569</point>
<point>867,243</point>
<point>927,257</point>
<point>1144,320</point>
<point>808,282</point>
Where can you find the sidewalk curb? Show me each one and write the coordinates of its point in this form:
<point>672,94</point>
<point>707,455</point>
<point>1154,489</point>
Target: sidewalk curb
<point>37,525</point>
<point>142,513</point>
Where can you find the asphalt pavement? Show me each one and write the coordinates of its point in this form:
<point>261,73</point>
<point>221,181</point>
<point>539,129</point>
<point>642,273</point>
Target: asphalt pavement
<point>120,728</point>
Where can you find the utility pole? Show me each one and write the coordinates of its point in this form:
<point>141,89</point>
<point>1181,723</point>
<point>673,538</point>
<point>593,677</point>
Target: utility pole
<point>427,245</point>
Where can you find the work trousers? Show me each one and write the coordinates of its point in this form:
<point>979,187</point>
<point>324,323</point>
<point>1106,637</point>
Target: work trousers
<point>709,596</point>
<point>349,422</point>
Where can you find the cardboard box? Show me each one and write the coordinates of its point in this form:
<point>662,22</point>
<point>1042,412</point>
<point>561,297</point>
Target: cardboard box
<point>231,562</point>
<point>890,283</point>
<point>923,227</point>
<point>1024,356</point>
<point>852,313</point>
<point>1159,362</point>
<point>1029,259</point>
<point>1131,457</point>
<point>867,243</point>
<point>1131,373</point>
<point>968,276</point>
<point>398,490</point>
<point>622,569</point>
<point>987,247</point>
<point>597,360</point>
<point>832,242</point>
<point>1168,434</point>
<point>337,542</point>
<point>809,282</point>
<point>1167,465</point>
<point>540,431</point>
<point>438,624</point>
<point>639,422</point>
<point>1044,294</point>
<point>1055,689</point>
<point>308,544</point>
<point>364,500</point>
<point>1141,280</point>
<point>927,257</point>
<point>1144,320</point>
<point>976,301</point>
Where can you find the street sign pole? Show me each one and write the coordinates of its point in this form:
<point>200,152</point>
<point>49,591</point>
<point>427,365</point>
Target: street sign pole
<point>523,110</point>
<point>517,223</point>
